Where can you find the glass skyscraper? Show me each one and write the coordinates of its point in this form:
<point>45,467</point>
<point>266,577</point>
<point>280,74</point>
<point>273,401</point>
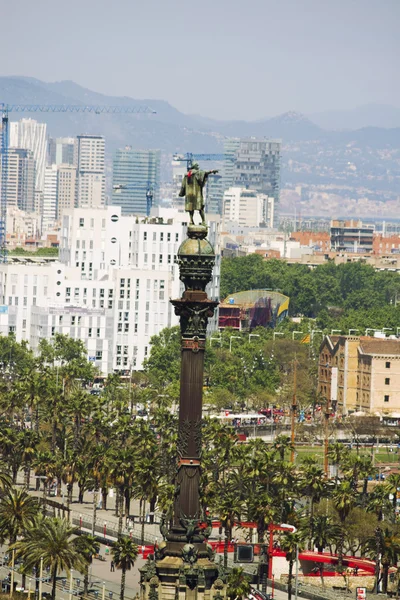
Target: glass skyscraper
<point>135,172</point>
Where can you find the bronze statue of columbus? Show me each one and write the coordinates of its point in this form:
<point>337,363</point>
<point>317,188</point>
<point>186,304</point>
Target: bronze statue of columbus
<point>192,188</point>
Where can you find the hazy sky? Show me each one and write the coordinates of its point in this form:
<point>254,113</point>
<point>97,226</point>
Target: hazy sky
<point>219,58</point>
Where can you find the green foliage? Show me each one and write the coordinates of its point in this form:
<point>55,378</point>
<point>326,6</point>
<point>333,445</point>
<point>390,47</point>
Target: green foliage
<point>39,252</point>
<point>350,295</point>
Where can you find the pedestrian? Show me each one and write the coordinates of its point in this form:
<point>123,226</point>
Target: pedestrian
<point>112,566</point>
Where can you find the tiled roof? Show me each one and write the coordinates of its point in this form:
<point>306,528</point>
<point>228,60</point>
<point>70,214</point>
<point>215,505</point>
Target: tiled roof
<point>370,345</point>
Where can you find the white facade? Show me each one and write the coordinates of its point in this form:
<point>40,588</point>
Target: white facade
<point>91,178</point>
<point>111,288</point>
<point>243,206</point>
<point>49,207</point>
<point>29,134</point>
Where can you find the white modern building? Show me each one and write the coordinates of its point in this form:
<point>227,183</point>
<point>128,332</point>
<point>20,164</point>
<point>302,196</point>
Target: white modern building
<point>49,208</point>
<point>248,208</point>
<point>111,287</point>
<point>31,135</point>
<point>91,178</point>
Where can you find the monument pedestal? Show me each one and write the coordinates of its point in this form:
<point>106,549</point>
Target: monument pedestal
<point>190,576</point>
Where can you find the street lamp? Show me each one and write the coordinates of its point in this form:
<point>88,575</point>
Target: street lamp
<point>253,335</point>
<point>277,333</point>
<point>333,331</point>
<point>294,333</point>
<point>350,330</point>
<point>313,332</point>
<point>370,329</point>
<point>233,337</point>
<point>216,339</point>
<point>387,329</point>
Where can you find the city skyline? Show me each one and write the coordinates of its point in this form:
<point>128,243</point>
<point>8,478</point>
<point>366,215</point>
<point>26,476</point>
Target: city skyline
<point>314,57</point>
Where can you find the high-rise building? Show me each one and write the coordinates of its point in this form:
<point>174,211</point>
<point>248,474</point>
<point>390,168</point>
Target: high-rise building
<point>31,135</point>
<point>257,166</point>
<point>91,179</point>
<point>21,179</point>
<point>66,189</point>
<point>49,208</point>
<point>63,151</point>
<point>134,173</point>
<point>251,164</point>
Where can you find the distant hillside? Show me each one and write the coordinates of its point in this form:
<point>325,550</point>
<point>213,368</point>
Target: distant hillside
<point>369,115</point>
<point>170,130</point>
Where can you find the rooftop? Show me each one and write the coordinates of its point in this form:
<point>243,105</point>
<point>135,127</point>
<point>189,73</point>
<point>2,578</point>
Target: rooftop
<point>370,345</point>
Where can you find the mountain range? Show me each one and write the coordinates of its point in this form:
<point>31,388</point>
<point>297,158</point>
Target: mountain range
<point>173,131</point>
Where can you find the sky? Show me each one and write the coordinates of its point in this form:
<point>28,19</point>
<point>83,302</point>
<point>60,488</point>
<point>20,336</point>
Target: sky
<point>225,59</point>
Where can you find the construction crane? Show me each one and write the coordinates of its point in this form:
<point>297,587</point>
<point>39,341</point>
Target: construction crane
<point>118,187</point>
<point>5,109</point>
<point>190,158</point>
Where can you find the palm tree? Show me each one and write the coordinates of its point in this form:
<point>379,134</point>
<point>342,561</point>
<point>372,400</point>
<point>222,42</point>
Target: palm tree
<point>228,507</point>
<point>337,453</point>
<point>282,444</point>
<point>290,543</point>
<point>344,498</point>
<point>5,479</point>
<point>379,502</point>
<point>87,546</point>
<point>238,584</point>
<point>145,483</point>
<point>386,545</point>
<point>314,486</point>
<point>124,553</point>
<point>52,541</point>
<point>17,513</point>
<point>325,533</point>
<point>393,485</point>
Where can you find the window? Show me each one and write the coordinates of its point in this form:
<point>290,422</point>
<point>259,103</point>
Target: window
<point>73,320</point>
<point>122,293</point>
<point>136,327</point>
<point>386,398</point>
<point>99,355</point>
<point>110,293</point>
<point>137,282</point>
<point>81,222</point>
<point>119,327</point>
<point>161,237</point>
<point>154,236</point>
<point>145,236</point>
<point>126,316</point>
<point>101,292</point>
<point>177,237</point>
<point>98,332</point>
<point>122,283</point>
<point>110,304</point>
<point>25,301</point>
<point>387,365</point>
<point>90,332</point>
<point>118,361</point>
<point>23,323</point>
<point>168,237</point>
<point>160,259</point>
<point>162,284</point>
<point>387,380</point>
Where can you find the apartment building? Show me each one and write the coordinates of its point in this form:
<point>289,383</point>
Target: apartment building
<point>360,373</point>
<point>110,288</point>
